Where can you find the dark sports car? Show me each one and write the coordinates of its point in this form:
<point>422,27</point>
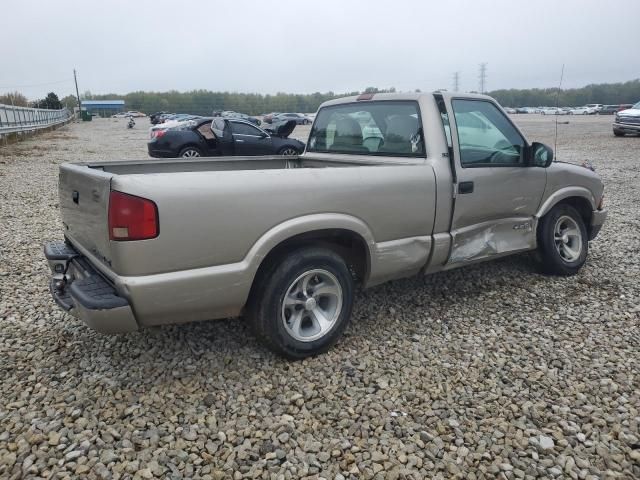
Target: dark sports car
<point>209,137</point>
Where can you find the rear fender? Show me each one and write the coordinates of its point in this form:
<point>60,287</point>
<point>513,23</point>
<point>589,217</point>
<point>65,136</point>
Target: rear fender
<point>301,225</point>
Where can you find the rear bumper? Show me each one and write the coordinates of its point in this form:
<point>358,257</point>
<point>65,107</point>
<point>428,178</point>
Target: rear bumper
<point>597,221</point>
<point>156,152</point>
<point>627,127</point>
<point>80,290</point>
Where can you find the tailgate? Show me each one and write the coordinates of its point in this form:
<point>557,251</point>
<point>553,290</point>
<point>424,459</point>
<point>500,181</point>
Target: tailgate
<point>84,204</point>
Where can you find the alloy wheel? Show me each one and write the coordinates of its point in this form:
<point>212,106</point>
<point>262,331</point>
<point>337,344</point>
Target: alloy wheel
<point>191,153</point>
<point>311,305</point>
<point>567,238</point>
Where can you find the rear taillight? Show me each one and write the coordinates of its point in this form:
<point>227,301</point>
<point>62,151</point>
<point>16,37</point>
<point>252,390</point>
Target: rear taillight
<point>131,217</point>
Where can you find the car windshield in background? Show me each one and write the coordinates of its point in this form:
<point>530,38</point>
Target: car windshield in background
<point>390,128</point>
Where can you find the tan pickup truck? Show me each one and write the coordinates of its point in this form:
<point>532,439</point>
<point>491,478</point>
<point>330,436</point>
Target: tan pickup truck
<point>390,185</point>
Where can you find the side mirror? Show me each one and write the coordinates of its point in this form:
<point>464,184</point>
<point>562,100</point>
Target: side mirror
<point>541,155</point>
<point>263,135</point>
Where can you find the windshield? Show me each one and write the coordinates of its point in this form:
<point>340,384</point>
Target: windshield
<point>636,106</point>
<point>391,128</point>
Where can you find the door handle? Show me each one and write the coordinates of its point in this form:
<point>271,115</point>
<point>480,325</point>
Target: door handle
<point>239,141</point>
<point>465,187</point>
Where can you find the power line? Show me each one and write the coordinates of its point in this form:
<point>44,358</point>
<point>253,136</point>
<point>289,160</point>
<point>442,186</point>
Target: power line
<point>456,81</point>
<point>483,76</point>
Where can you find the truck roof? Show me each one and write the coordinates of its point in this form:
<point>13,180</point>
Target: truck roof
<point>402,96</point>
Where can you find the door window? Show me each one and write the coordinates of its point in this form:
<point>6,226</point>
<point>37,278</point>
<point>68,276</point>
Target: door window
<point>485,136</point>
<point>244,129</point>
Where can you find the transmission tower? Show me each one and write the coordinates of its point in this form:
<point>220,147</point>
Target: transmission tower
<point>483,76</point>
<point>456,81</point>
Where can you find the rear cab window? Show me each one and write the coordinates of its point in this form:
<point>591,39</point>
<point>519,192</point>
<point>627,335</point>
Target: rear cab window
<point>383,128</point>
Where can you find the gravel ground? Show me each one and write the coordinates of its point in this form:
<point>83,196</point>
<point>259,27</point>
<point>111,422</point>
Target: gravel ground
<point>491,371</point>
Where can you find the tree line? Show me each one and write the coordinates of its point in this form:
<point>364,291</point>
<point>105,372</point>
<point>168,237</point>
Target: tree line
<point>17,99</point>
<point>203,102</point>
<point>605,93</point>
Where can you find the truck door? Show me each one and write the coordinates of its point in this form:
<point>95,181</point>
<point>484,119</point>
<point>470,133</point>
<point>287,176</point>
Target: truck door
<point>497,193</point>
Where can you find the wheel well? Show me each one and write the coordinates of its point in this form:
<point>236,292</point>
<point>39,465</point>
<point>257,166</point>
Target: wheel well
<point>583,207</point>
<point>346,243</point>
<point>190,145</point>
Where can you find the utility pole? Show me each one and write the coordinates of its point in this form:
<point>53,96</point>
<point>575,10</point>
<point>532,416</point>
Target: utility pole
<point>456,81</point>
<point>75,79</point>
<point>483,76</point>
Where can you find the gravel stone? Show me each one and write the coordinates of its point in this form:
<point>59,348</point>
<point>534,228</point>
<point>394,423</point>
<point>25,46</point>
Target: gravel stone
<point>491,371</point>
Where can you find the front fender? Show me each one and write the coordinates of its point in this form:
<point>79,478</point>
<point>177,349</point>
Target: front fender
<point>563,193</point>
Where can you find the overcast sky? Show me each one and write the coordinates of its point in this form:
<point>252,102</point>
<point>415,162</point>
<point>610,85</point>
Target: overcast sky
<point>317,45</point>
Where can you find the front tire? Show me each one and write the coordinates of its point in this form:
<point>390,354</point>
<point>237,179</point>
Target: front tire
<point>618,133</point>
<point>288,151</point>
<point>190,152</point>
<point>563,241</point>
<point>302,304</point>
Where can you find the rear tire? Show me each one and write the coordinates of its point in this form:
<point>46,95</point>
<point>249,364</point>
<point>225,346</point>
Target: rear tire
<point>301,304</point>
<point>562,241</point>
<point>190,152</point>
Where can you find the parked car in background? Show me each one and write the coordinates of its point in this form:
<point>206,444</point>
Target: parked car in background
<point>595,106</point>
<point>298,117</point>
<point>119,115</point>
<point>214,136</point>
<point>135,114</point>
<point>627,121</point>
<point>173,123</point>
<point>582,111</point>
<point>154,118</point>
<point>268,118</point>
<point>510,110</point>
<point>554,111</point>
<point>527,110</point>
<point>608,109</point>
<point>243,116</point>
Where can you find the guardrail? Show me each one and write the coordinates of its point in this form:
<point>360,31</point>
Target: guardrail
<point>24,119</point>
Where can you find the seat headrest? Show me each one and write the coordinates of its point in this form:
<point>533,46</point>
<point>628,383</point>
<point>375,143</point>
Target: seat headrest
<point>348,132</point>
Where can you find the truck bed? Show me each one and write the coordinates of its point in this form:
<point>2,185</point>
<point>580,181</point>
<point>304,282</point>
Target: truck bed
<point>172,165</point>
<point>212,211</point>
